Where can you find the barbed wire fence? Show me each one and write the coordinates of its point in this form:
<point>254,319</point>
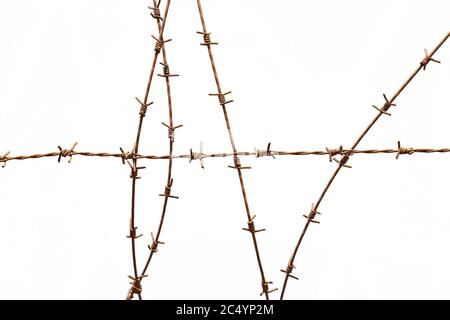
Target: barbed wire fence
<point>134,158</point>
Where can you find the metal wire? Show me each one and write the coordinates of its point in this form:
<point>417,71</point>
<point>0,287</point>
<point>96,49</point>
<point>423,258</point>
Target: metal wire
<point>344,159</point>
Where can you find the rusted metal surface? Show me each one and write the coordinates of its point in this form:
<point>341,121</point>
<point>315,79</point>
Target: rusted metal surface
<point>342,162</point>
<point>222,97</point>
<point>192,156</point>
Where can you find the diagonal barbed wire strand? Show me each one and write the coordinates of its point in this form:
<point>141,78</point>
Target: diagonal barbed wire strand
<point>237,163</point>
<point>344,159</point>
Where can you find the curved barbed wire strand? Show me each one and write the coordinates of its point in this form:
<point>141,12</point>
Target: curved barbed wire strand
<point>153,247</point>
<point>136,280</point>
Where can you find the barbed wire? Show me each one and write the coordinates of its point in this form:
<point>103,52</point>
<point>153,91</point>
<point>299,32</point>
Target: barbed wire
<point>343,161</point>
<point>136,287</point>
<point>167,194</point>
<point>223,102</point>
<point>5,158</point>
<point>133,157</point>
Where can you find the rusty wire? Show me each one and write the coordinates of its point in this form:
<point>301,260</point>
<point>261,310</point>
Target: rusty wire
<point>221,95</point>
<point>136,287</point>
<point>131,157</point>
<point>199,156</point>
<point>167,194</point>
<point>342,162</point>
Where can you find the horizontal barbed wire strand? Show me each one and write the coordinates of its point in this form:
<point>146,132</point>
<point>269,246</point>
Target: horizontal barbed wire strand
<point>221,155</point>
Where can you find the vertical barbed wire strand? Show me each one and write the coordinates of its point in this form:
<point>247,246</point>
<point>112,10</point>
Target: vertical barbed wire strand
<point>342,162</point>
<point>153,247</point>
<point>237,164</point>
<point>136,286</point>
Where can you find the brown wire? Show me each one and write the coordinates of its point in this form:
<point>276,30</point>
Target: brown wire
<point>134,170</point>
<point>237,164</point>
<point>198,156</point>
<point>171,135</point>
<point>388,104</point>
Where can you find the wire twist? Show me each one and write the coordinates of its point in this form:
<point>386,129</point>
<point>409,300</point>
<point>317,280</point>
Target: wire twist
<point>207,39</point>
<point>154,245</point>
<point>4,158</point>
<point>197,156</point>
<point>333,152</point>
<point>125,155</point>
<point>343,161</point>
<point>427,59</point>
<point>401,150</point>
<point>156,14</point>
<point>168,190</point>
<point>66,153</point>
<point>135,171</point>
<point>159,43</point>
<point>166,71</point>
<point>136,287</point>
<point>312,215</point>
<point>144,106</point>
<point>237,164</point>
<point>222,98</point>
<point>288,271</point>
<point>133,234</point>
<point>251,226</point>
<point>171,131</point>
<point>264,153</point>
<point>265,288</point>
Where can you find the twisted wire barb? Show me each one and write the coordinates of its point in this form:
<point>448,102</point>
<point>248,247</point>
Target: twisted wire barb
<point>237,163</point>
<point>344,159</point>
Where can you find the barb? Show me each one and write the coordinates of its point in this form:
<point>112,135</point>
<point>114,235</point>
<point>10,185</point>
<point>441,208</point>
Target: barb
<point>159,44</point>
<point>171,130</point>
<point>251,226</point>
<point>222,98</point>
<point>144,107</point>
<point>197,156</point>
<point>342,163</point>
<point>154,246</point>
<point>4,158</point>
<point>427,59</point>
<point>136,287</point>
<point>312,214</point>
<point>290,267</point>
<point>156,14</point>
<point>166,71</point>
<point>402,150</point>
<point>66,153</point>
<point>207,39</point>
<point>264,153</point>
<point>237,164</point>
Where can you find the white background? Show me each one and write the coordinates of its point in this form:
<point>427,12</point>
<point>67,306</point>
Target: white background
<point>304,75</point>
